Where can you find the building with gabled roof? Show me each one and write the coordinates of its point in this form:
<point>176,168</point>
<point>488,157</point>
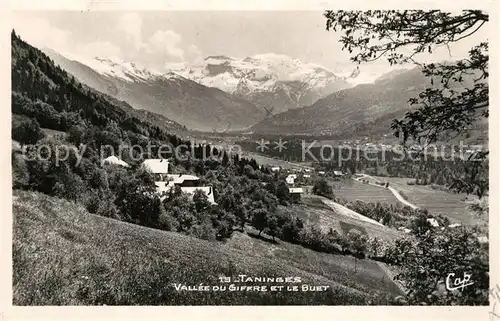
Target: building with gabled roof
<point>113,160</point>
<point>156,166</point>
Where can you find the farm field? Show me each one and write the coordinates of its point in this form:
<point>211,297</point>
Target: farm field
<point>263,160</point>
<point>65,256</point>
<point>314,212</point>
<point>353,190</point>
<point>52,132</point>
<point>435,201</point>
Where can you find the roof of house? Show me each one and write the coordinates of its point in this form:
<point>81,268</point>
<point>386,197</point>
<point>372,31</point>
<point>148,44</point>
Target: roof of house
<point>164,187</point>
<point>404,229</point>
<point>156,166</point>
<point>337,173</point>
<point>180,178</point>
<point>292,176</point>
<point>114,160</point>
<point>433,222</point>
<point>295,190</point>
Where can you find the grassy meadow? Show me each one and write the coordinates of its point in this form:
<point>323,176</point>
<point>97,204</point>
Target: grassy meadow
<point>353,190</point>
<point>62,255</point>
<point>435,201</point>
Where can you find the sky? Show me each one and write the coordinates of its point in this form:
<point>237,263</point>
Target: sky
<point>154,39</point>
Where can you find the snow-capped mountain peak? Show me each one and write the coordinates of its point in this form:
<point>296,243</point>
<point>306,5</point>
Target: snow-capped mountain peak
<point>124,70</point>
<point>268,80</point>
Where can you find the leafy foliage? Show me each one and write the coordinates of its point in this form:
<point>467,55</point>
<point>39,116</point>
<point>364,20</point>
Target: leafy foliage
<point>321,187</point>
<point>462,95</point>
<point>425,263</point>
<point>27,131</point>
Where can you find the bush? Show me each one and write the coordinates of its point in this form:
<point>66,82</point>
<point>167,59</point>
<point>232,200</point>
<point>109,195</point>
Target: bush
<point>167,222</point>
<point>291,228</point>
<point>27,131</point>
<point>322,188</point>
<point>273,229</point>
<point>259,219</point>
<point>20,173</point>
<point>203,230</point>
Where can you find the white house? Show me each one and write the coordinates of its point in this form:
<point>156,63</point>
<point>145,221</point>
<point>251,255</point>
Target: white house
<point>306,176</point>
<point>454,225</point>
<point>208,190</point>
<point>321,173</point>
<point>404,229</point>
<point>295,192</point>
<point>290,179</point>
<point>275,169</point>
<point>157,167</point>
<point>433,222</point>
<point>182,180</point>
<point>187,183</point>
<point>338,173</point>
<point>113,160</point>
<point>165,182</point>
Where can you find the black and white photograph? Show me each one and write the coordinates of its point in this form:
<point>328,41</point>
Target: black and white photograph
<point>325,157</point>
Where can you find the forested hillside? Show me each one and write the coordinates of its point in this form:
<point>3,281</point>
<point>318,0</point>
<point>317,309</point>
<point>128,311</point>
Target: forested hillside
<point>46,96</point>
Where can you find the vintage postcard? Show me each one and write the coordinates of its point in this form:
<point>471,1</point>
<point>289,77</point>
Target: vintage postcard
<point>221,154</point>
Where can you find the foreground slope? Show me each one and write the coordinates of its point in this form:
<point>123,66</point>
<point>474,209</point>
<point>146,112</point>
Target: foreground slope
<point>63,255</point>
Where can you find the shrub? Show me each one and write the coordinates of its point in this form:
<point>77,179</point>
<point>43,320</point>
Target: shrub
<point>27,131</point>
<point>259,219</point>
<point>273,229</point>
<point>20,173</point>
<point>322,188</point>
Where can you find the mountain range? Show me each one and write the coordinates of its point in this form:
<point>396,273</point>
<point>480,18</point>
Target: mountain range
<point>274,83</point>
<point>366,109</point>
<point>262,94</point>
<point>169,94</point>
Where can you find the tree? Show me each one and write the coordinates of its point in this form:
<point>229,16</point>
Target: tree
<point>425,263</point>
<point>76,134</point>
<point>321,187</point>
<point>357,242</point>
<point>273,228</point>
<point>200,200</point>
<point>420,225</point>
<point>291,229</point>
<point>27,131</point>
<point>375,246</point>
<point>282,193</point>
<point>20,174</point>
<point>462,96</point>
<point>223,222</point>
<point>67,184</point>
<point>259,219</point>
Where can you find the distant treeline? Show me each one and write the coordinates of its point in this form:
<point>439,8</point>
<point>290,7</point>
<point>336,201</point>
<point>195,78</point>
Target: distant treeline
<point>424,168</point>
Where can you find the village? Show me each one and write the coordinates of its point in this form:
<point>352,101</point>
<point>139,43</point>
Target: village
<point>298,179</point>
